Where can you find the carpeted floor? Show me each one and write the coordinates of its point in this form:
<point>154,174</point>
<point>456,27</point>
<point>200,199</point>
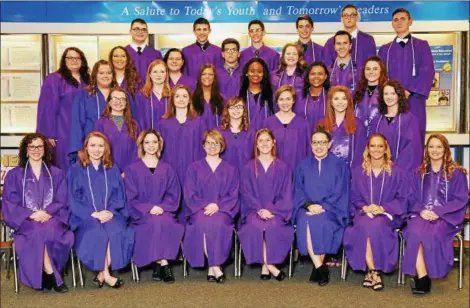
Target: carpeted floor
<point>248,291</point>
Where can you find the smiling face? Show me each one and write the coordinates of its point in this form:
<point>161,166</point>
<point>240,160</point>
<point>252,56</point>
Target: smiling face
<point>317,76</point>
<point>139,33</point>
<point>339,102</point>
<point>390,96</point>
<point>151,145</point>
<point>320,145</point>
<point>73,60</point>
<point>291,56</point>
<point>118,101</point>
<point>104,77</point>
<point>119,59</point>
<point>158,74</point>
<point>35,150</point>
<point>255,73</point>
<point>181,99</point>
<point>212,146</point>
<point>202,31</point>
<point>304,29</point>
<point>175,61</point>
<point>285,101</point>
<point>256,33</point>
<point>236,111</point>
<point>435,150</point>
<point>95,148</point>
<point>207,77</point>
<point>342,45</point>
<point>372,72</point>
<point>401,23</point>
<point>377,148</point>
<point>265,144</point>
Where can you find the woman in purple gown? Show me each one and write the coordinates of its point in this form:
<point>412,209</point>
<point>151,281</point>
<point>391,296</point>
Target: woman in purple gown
<point>291,68</point>
<point>152,100</point>
<point>211,201</point>
<point>237,133</point>
<point>175,60</point>
<point>207,100</point>
<point>379,198</point>
<point>56,100</point>
<point>125,72</point>
<point>120,128</point>
<point>153,195</point>
<point>438,201</point>
<point>366,98</point>
<point>321,194</point>
<point>266,232</point>
<point>311,102</point>
<point>97,201</point>
<point>35,207</point>
<point>257,93</point>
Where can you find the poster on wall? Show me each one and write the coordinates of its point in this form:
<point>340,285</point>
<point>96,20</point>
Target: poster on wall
<point>20,87</point>
<point>9,161</point>
<point>20,56</point>
<point>18,117</point>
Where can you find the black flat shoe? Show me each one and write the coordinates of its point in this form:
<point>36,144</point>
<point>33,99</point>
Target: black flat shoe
<point>211,278</point>
<point>119,283</point>
<point>422,285</point>
<point>265,277</point>
<point>156,274</point>
<point>281,276</point>
<point>62,288</point>
<point>221,279</point>
<point>314,276</point>
<point>99,284</point>
<point>167,274</point>
<point>324,275</point>
<point>46,283</point>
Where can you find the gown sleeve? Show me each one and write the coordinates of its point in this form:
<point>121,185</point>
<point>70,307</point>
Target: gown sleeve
<point>357,200</point>
<point>410,151</point>
<point>13,211</point>
<point>58,208</point>
<point>248,202</point>
<point>398,205</point>
<point>77,123</point>
<point>360,142</point>
<point>117,203</point>
<point>193,201</point>
<point>415,204</point>
<point>300,197</point>
<point>171,199</point>
<point>80,209</point>
<point>137,209</point>
<point>421,84</point>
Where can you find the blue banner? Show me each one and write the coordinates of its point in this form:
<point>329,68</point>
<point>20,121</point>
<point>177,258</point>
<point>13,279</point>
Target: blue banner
<point>219,12</point>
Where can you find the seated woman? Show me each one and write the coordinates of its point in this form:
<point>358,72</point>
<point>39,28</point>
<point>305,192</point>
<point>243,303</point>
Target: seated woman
<point>211,201</point>
<point>321,192</point>
<point>97,201</point>
<point>378,203</point>
<point>266,233</point>
<point>35,207</point>
<point>153,195</point>
<point>437,207</point>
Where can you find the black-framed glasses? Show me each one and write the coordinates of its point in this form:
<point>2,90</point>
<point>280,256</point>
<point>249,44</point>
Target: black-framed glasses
<point>237,107</point>
<point>349,16</point>
<point>230,50</point>
<point>212,144</point>
<point>73,59</point>
<point>35,147</point>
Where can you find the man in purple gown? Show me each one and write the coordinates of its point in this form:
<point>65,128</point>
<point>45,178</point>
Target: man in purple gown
<point>363,44</point>
<point>312,51</point>
<point>257,48</point>
<point>343,70</point>
<point>409,60</point>
<point>202,51</point>
<point>230,74</point>
<point>141,53</point>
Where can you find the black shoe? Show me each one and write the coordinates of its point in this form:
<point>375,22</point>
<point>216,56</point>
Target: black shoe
<point>221,279</point>
<point>46,283</point>
<point>281,276</point>
<point>157,272</point>
<point>265,277</point>
<point>62,288</point>
<point>211,278</point>
<point>324,275</point>
<point>119,283</point>
<point>99,284</point>
<point>422,285</point>
<point>167,274</point>
<point>315,275</point>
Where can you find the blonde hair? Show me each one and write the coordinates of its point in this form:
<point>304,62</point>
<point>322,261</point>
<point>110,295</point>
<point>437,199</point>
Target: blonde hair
<point>217,136</point>
<point>140,142</point>
<point>147,89</point>
<point>285,88</point>
<point>84,158</point>
<point>367,165</point>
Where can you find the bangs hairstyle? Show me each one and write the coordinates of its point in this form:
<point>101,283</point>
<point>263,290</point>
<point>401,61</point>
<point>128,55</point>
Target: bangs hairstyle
<point>303,17</point>
<point>67,74</point>
<point>448,164</point>
<point>320,129</point>
<point>131,77</point>
<point>93,86</point>
<point>171,112</point>
<point>84,158</point>
<point>130,122</point>
<point>225,123</point>
<point>216,102</point>
<point>23,151</point>
<point>363,83</point>
<point>301,64</point>
<point>266,90</point>
<point>148,87</point>
<point>285,88</point>
<point>255,147</point>
<point>140,142</point>
<point>367,165</point>
<point>330,118</point>
<point>167,55</point>
<point>326,84</point>
<point>217,136</point>
<point>400,91</point>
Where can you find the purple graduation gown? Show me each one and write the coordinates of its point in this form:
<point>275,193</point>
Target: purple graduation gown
<point>293,141</point>
<point>188,81</point>
<point>268,54</point>
<point>151,109</point>
<point>381,228</point>
<point>368,109</point>
<point>183,143</point>
<point>313,52</point>
<point>202,186</point>
<point>142,62</point>
<point>257,114</point>
<point>54,112</point>
<point>86,110</point>
<point>407,150</point>
<point>270,190</point>
<point>238,147</point>
<point>365,48</point>
<point>312,109</point>
<point>123,147</point>
<point>281,78</point>
<point>91,236</point>
<point>324,182</point>
<point>211,120</point>
<point>156,236</point>
<point>229,84</point>
<point>30,236</point>
<point>195,58</point>
<point>399,62</point>
<point>449,201</point>
<point>348,76</point>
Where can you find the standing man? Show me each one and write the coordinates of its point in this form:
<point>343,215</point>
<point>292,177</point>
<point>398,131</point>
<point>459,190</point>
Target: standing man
<point>343,71</point>
<point>140,52</point>
<point>409,60</point>
<point>363,44</point>
<point>258,49</point>
<point>312,50</point>
<point>229,74</point>
<point>202,51</point>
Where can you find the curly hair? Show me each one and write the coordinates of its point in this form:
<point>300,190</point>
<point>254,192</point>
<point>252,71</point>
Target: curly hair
<point>141,138</point>
<point>367,165</point>
<point>326,84</point>
<point>23,151</point>
<point>448,164</point>
<point>266,90</point>
<point>216,101</point>
<point>130,122</point>
<point>66,74</point>
<point>131,77</point>
<point>400,91</point>
<point>363,82</point>
<point>84,158</point>
<point>225,123</point>
<point>301,64</point>
<point>93,85</point>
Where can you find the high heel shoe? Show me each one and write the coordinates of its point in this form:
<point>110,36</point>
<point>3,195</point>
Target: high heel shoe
<point>281,276</point>
<point>211,278</point>
<point>221,279</point>
<point>98,283</point>
<point>377,286</point>
<point>119,283</point>
<point>265,277</point>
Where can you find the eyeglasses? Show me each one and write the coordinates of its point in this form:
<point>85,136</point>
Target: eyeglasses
<point>319,143</point>
<point>349,16</point>
<point>257,30</point>
<point>118,99</point>
<point>212,144</point>
<point>74,59</point>
<point>238,107</point>
<point>140,30</point>
<point>230,50</point>
<point>35,147</point>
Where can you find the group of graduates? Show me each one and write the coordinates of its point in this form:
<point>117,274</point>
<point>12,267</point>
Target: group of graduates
<point>148,156</point>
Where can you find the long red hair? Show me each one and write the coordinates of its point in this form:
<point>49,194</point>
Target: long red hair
<point>330,118</point>
<point>84,158</point>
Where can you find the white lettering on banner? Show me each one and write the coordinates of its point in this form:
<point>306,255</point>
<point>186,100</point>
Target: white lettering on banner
<point>174,11</point>
<point>232,11</point>
<point>273,12</point>
<point>292,10</point>
<point>373,10</point>
<point>125,11</point>
<point>148,11</point>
